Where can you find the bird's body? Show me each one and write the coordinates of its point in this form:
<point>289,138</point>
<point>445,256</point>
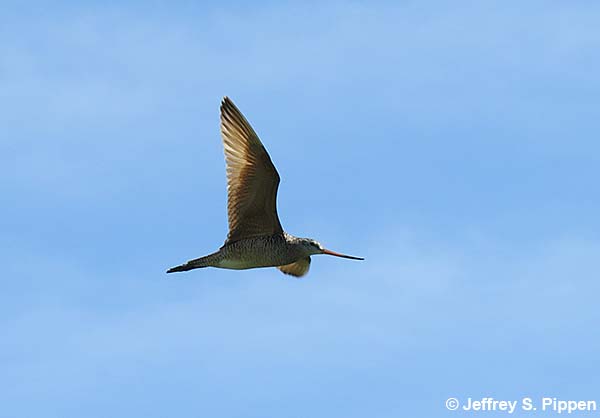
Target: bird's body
<point>256,238</point>
<point>266,251</point>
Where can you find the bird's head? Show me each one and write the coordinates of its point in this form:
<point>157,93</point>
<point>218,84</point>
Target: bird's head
<point>313,247</point>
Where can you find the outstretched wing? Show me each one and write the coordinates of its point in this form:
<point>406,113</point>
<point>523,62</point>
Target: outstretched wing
<point>298,268</point>
<point>252,179</point>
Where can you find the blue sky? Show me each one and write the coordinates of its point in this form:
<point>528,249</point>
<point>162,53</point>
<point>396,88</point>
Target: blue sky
<point>452,144</point>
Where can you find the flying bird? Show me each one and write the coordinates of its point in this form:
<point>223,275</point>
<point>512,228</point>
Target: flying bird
<point>256,238</point>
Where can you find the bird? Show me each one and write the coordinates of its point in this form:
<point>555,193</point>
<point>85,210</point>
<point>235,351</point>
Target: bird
<point>256,238</point>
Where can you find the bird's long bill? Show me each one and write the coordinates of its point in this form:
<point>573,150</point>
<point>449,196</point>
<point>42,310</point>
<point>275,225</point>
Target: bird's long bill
<point>328,252</point>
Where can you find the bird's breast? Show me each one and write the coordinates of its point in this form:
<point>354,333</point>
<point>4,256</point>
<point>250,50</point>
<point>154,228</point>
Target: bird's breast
<point>268,251</point>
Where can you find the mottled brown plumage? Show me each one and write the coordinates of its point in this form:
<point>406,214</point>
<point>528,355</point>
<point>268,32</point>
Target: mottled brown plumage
<point>252,179</point>
<point>255,238</point>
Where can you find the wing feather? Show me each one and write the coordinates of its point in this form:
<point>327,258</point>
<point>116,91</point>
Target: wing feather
<point>298,268</point>
<point>252,180</point>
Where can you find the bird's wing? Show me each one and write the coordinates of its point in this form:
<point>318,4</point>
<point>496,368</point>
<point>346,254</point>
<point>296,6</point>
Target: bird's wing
<point>298,268</point>
<point>252,179</point>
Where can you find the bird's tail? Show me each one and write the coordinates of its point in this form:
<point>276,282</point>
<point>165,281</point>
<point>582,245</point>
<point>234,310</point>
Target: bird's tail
<point>196,263</point>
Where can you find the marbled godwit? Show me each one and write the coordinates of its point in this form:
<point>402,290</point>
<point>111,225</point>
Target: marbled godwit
<point>256,238</point>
